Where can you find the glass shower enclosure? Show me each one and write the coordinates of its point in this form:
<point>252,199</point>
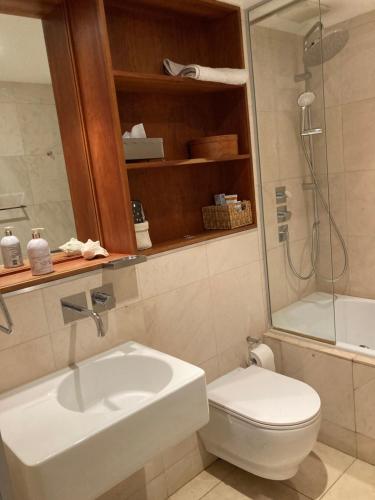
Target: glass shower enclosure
<point>289,45</point>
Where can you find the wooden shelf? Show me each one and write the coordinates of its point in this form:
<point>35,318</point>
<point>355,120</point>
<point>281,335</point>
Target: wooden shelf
<point>197,238</point>
<point>62,269</point>
<point>182,163</point>
<point>127,81</point>
<point>207,9</point>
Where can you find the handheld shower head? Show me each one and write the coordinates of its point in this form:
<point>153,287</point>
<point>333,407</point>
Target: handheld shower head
<point>306,99</point>
<point>304,102</point>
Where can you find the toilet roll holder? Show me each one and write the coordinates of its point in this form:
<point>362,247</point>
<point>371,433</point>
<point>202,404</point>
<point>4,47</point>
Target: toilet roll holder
<point>252,342</point>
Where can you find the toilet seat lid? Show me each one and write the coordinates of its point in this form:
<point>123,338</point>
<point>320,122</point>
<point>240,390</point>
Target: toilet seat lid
<point>265,397</point>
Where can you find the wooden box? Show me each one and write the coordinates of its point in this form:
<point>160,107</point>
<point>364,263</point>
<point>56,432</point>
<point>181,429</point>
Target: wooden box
<point>214,147</point>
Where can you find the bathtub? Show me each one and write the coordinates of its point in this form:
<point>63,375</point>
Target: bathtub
<point>317,315</point>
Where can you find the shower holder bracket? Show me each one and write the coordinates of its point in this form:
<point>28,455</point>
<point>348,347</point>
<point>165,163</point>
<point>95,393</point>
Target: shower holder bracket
<point>308,186</point>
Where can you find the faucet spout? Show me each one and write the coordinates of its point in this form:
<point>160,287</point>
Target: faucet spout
<point>88,313</point>
<point>8,329</point>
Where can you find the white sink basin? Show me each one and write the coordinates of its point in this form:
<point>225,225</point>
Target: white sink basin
<point>75,434</point>
<point>118,383</point>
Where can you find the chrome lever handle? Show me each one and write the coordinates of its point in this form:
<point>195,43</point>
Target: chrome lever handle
<point>283,215</point>
<point>101,298</point>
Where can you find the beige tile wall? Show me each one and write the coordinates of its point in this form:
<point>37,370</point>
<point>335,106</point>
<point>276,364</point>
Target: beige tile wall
<point>32,162</point>
<point>198,304</point>
<point>350,117</point>
<point>346,385</point>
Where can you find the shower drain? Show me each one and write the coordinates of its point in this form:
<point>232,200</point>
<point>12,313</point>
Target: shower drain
<point>364,346</point>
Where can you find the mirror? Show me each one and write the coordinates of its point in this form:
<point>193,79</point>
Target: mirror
<point>34,190</point>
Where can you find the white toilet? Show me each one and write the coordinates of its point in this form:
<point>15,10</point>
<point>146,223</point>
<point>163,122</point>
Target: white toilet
<point>262,421</point>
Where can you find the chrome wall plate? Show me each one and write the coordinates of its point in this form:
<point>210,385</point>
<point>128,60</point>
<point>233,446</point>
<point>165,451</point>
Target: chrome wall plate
<point>69,315</point>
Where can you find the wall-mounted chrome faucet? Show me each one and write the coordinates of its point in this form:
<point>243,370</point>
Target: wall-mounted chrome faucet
<point>75,306</point>
<point>8,329</point>
<point>75,310</point>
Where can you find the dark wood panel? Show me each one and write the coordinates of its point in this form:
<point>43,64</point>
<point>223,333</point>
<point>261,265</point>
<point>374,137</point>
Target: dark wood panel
<point>64,79</point>
<point>97,90</point>
<point>226,36</point>
<point>180,119</point>
<point>231,116</point>
<point>140,39</point>
<point>177,119</point>
<point>28,8</point>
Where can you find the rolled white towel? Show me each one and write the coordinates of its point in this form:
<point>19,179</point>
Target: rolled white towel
<point>221,75</point>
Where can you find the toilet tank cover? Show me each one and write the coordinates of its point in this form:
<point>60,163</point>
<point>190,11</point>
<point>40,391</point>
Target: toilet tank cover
<point>265,397</point>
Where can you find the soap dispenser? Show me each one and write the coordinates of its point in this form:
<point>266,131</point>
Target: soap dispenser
<point>11,249</point>
<point>39,254</point>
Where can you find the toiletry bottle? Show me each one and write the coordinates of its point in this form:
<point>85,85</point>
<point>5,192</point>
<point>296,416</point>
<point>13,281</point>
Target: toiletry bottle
<point>39,254</point>
<point>11,249</point>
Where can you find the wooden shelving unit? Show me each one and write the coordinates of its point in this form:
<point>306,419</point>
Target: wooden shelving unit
<point>141,34</point>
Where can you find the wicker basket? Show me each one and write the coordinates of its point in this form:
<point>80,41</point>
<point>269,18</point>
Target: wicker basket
<point>227,216</point>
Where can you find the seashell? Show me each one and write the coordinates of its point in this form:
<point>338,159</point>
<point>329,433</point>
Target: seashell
<point>92,249</point>
<point>72,247</point>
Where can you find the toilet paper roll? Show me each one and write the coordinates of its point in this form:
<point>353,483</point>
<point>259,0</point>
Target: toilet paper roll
<point>262,356</point>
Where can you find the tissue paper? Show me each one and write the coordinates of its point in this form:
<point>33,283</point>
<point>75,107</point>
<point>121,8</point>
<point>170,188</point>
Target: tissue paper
<point>137,132</point>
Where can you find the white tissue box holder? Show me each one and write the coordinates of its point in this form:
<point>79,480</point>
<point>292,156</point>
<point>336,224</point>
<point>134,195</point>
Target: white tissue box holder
<point>142,235</point>
<point>144,149</point>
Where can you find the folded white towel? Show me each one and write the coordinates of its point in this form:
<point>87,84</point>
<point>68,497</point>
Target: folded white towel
<point>222,75</point>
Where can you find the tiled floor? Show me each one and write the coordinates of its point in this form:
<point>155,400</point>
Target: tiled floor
<point>326,473</point>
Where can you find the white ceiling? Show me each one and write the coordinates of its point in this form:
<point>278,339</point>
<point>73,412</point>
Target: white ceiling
<point>333,11</point>
<point>23,56</point>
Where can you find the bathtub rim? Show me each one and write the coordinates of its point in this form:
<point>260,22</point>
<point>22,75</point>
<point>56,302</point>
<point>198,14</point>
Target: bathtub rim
<point>321,346</point>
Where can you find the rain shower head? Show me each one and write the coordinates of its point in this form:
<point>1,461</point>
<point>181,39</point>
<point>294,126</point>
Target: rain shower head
<point>321,49</point>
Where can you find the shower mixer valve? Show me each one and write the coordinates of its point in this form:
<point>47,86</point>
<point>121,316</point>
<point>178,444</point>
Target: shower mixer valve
<point>283,214</point>
<point>283,233</point>
<point>282,195</point>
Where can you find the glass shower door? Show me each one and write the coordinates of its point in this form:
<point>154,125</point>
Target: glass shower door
<point>286,57</point>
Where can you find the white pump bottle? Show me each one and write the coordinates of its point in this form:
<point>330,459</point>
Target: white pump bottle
<point>39,254</point>
<point>11,249</point>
